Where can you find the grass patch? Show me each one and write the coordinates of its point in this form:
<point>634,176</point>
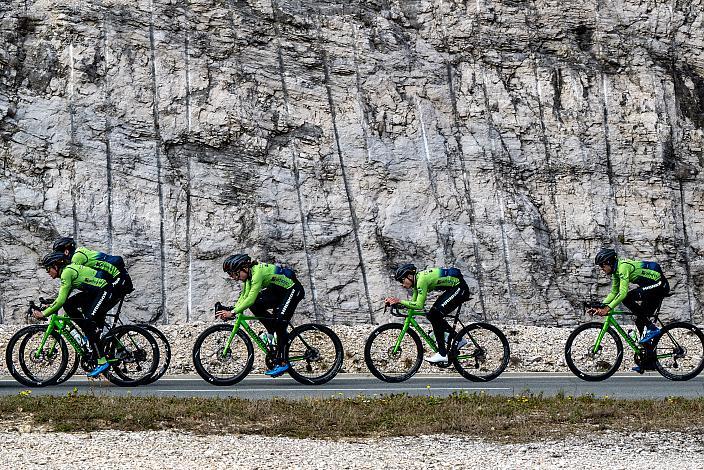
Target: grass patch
<point>514,419</point>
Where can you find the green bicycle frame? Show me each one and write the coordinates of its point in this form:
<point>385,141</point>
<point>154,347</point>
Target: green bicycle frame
<point>61,325</point>
<point>242,322</point>
<point>411,322</point>
<point>610,321</point>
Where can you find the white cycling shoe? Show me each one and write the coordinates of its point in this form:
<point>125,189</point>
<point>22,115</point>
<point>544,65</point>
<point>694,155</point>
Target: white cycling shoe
<point>437,357</point>
<point>461,343</point>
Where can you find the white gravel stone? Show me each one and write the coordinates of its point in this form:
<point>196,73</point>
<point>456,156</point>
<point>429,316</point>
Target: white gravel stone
<point>146,450</point>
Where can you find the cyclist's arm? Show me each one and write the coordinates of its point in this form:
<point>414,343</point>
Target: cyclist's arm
<point>79,258</point>
<point>64,290</point>
<point>243,295</point>
<point>420,293</point>
<point>621,283</point>
<point>614,290</point>
<point>246,301</point>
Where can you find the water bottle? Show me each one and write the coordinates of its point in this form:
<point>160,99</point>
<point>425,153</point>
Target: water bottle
<point>632,334</point>
<point>268,338</point>
<point>446,334</point>
<point>77,336</point>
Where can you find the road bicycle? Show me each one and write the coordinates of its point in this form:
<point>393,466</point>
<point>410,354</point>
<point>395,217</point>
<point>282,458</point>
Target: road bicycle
<point>594,350</point>
<point>223,354</point>
<point>394,352</point>
<point>39,355</point>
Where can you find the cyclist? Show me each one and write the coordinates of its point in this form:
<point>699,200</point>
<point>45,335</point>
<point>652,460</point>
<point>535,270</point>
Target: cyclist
<point>266,287</point>
<point>86,308</point>
<point>112,265</point>
<point>641,301</point>
<point>455,293</point>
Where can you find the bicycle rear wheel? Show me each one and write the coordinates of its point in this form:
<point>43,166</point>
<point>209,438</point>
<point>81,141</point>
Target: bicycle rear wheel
<point>392,364</point>
<point>480,352</point>
<point>164,353</point>
<point>314,353</point>
<point>590,363</point>
<point>135,352</point>
<point>679,351</point>
<point>215,365</point>
<point>32,367</point>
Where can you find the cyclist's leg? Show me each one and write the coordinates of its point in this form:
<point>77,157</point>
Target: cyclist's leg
<point>74,308</point>
<point>651,296</point>
<point>94,313</point>
<point>633,301</point>
<point>125,285</point>
<point>283,313</point>
<point>266,301</point>
<point>449,300</point>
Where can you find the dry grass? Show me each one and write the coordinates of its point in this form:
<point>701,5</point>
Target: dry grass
<point>515,419</point>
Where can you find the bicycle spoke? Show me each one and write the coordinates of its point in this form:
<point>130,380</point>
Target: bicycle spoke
<point>217,365</point>
<point>387,361</point>
<point>590,361</point>
<point>679,351</point>
<point>481,352</point>
<point>314,354</point>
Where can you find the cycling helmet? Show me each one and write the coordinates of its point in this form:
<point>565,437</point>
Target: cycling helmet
<point>53,259</point>
<point>65,243</point>
<point>234,263</point>
<point>403,271</point>
<point>605,256</point>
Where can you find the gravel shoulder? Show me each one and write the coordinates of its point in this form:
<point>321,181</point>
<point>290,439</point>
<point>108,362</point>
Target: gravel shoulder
<point>147,450</point>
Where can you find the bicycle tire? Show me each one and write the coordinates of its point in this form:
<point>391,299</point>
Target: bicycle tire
<point>378,353</point>
<point>309,359</point>
<point>21,339</point>
<point>134,347</point>
<point>70,370</point>
<point>584,347</point>
<point>486,347</point>
<point>679,339</point>
<point>164,352</point>
<point>204,359</point>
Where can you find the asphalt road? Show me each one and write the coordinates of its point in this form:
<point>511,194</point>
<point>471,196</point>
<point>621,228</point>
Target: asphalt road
<point>626,385</point>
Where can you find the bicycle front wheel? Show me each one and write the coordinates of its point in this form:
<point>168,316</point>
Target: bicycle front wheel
<point>220,367</point>
<point>135,354</point>
<point>32,366</point>
<point>314,353</point>
<point>679,351</point>
<point>388,362</point>
<point>480,352</point>
<point>586,360</point>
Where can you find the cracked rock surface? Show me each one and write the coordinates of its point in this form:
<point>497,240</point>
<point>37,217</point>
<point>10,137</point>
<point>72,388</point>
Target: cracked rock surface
<point>509,139</point>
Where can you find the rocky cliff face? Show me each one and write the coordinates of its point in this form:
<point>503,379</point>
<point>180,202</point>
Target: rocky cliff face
<point>509,138</point>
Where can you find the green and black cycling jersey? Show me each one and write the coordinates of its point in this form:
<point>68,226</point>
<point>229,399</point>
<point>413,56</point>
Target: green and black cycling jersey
<point>429,280</point>
<point>262,275</point>
<point>96,260</point>
<point>642,273</point>
<point>74,276</point>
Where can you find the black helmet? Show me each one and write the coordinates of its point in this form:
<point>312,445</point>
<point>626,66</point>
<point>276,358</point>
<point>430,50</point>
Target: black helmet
<point>65,243</point>
<point>236,262</point>
<point>605,256</point>
<point>403,271</point>
<point>53,259</point>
